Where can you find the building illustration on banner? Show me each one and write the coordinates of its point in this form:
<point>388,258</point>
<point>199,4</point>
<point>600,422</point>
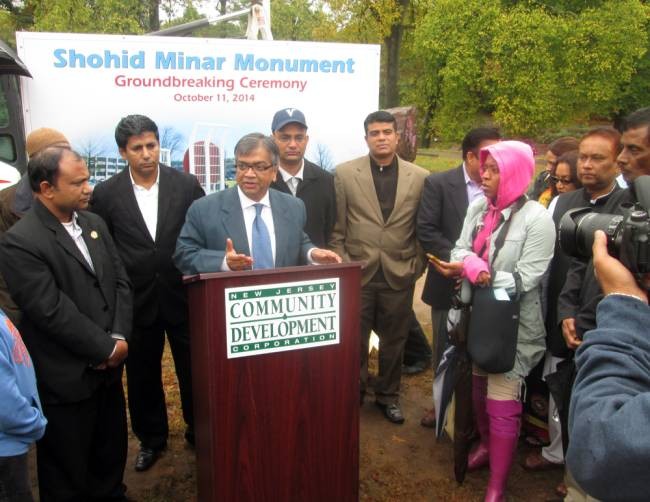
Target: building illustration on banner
<point>205,158</point>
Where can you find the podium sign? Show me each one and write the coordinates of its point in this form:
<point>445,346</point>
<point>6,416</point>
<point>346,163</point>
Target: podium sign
<point>285,316</point>
<point>275,369</point>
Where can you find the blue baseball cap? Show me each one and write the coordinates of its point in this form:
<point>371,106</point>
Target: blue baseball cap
<point>288,116</point>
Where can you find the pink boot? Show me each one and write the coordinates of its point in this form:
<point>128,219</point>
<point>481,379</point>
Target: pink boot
<point>480,456</point>
<point>504,433</point>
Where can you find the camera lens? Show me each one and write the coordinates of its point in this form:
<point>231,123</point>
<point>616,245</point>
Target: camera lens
<point>588,225</point>
<point>577,228</point>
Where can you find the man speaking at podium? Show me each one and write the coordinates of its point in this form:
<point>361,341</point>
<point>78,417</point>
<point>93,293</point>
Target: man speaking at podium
<point>248,226</point>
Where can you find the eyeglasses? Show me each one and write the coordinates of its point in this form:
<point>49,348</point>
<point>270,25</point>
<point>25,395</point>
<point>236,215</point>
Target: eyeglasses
<point>258,168</point>
<point>564,181</point>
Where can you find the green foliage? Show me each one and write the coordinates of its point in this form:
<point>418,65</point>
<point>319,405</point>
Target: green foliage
<point>82,16</point>
<point>300,20</point>
<point>8,27</point>
<point>602,49</point>
<point>555,6</point>
<point>448,48</point>
<point>367,21</point>
<point>533,65</point>
<point>522,78</point>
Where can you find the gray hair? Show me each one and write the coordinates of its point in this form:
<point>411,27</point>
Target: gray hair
<point>256,140</point>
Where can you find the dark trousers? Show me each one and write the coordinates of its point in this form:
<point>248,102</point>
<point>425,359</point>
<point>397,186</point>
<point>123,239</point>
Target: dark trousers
<point>417,346</point>
<point>14,479</point>
<point>144,379</point>
<point>388,313</point>
<point>82,455</point>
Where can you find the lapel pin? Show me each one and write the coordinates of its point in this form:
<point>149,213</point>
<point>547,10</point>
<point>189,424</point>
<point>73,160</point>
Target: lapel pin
<point>94,234</point>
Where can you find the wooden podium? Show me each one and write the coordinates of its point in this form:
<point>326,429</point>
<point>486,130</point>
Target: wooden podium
<point>283,425</point>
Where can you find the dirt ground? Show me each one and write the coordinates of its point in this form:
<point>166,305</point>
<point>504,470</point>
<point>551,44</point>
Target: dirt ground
<point>397,462</point>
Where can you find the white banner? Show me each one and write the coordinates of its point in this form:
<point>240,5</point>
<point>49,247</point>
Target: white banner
<point>197,90</point>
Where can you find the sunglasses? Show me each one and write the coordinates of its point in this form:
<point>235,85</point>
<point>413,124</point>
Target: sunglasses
<point>565,181</point>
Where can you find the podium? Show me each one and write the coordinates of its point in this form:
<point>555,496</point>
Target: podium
<point>275,370</point>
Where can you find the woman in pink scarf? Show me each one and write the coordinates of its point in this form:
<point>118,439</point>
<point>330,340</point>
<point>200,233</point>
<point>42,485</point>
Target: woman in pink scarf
<point>506,171</point>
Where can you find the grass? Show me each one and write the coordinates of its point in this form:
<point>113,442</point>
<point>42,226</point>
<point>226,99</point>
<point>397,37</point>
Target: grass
<point>438,159</point>
<point>437,164</point>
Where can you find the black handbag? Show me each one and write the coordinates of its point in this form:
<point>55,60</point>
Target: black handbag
<point>493,323</point>
<point>493,329</point>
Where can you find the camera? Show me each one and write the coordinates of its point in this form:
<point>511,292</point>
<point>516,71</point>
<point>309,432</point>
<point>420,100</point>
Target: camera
<point>628,234</point>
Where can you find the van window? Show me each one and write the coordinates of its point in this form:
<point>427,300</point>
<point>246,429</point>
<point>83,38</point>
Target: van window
<point>7,145</point>
<point>4,110</point>
<point>7,148</point>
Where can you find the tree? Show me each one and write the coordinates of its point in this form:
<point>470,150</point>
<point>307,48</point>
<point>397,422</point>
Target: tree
<point>92,147</point>
<point>171,139</point>
<point>527,65</point>
<point>448,49</point>
<point>298,20</point>
<point>84,16</point>
<point>604,48</point>
<point>324,157</point>
<point>81,16</point>
<point>377,21</point>
<point>522,73</point>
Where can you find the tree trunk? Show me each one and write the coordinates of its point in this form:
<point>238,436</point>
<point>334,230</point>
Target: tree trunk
<point>222,7</point>
<point>392,46</point>
<point>154,17</point>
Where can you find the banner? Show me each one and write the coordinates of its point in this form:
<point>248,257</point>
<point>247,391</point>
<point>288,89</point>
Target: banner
<point>203,93</point>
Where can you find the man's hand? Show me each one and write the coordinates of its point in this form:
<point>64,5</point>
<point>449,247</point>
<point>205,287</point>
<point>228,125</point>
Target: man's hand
<point>569,333</point>
<point>235,260</point>
<point>448,269</point>
<point>612,275</point>
<point>324,256</point>
<point>119,354</point>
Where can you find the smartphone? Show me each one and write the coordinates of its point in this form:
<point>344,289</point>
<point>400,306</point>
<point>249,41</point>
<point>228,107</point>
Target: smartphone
<point>434,258</point>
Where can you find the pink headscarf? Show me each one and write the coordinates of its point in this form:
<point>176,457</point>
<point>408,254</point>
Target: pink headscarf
<point>516,168</point>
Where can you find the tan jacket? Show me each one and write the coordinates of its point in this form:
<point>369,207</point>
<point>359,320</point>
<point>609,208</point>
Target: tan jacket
<point>360,233</point>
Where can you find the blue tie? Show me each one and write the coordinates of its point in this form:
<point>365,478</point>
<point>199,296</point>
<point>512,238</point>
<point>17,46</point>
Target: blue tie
<point>262,254</point>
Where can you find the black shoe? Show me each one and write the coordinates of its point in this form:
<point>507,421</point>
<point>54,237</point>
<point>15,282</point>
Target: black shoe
<point>392,412</point>
<point>146,458</point>
<point>416,367</point>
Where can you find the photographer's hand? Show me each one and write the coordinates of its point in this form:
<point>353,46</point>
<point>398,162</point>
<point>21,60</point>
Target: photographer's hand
<point>612,275</point>
<point>569,333</point>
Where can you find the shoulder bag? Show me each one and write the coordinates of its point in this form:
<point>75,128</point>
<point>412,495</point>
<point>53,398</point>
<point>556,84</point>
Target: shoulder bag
<point>493,323</point>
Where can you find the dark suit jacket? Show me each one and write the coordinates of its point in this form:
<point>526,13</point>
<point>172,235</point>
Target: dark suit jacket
<point>213,219</point>
<point>558,270</point>
<point>157,283</point>
<point>69,310</point>
<point>581,292</point>
<point>316,190</point>
<point>440,220</point>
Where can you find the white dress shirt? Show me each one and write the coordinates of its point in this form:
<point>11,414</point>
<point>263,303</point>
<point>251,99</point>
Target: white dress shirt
<point>75,232</point>
<point>147,199</point>
<point>248,208</point>
<point>292,180</point>
<point>474,190</point>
